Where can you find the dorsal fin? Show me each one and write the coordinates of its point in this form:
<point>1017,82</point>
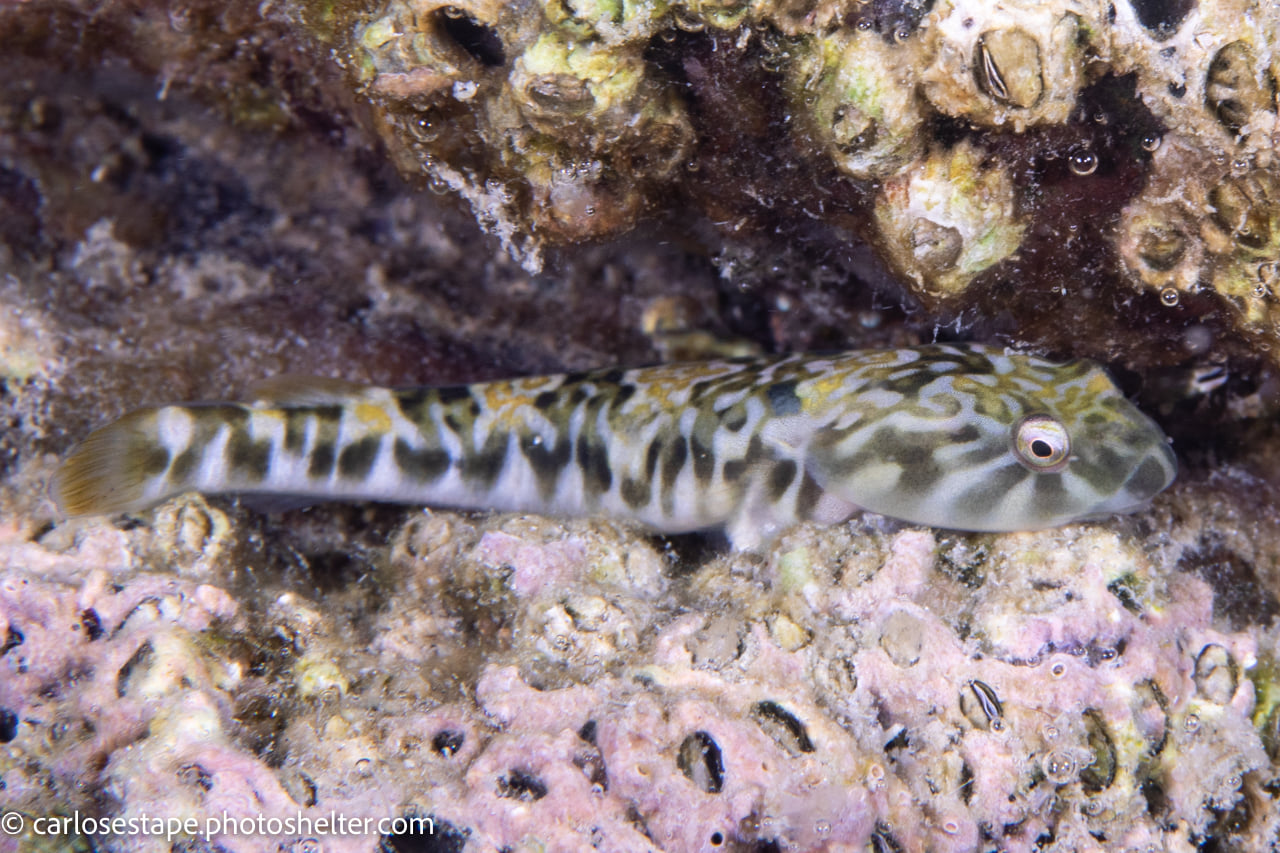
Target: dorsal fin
<point>293,390</point>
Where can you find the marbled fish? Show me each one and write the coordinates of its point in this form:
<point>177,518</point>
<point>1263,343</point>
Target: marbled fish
<point>960,436</point>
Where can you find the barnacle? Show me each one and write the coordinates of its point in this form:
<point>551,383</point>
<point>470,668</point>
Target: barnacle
<point>1209,73</point>
<point>857,104</point>
<point>948,218</point>
<point>1009,63</point>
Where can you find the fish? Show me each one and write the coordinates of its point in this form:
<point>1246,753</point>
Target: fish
<point>966,437</point>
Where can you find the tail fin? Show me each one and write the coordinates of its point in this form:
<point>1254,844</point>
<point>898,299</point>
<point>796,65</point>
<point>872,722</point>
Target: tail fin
<point>112,469</point>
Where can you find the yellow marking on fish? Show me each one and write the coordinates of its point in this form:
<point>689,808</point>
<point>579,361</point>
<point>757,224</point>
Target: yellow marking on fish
<point>373,417</point>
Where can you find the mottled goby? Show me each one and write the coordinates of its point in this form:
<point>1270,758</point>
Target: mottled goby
<point>959,436</point>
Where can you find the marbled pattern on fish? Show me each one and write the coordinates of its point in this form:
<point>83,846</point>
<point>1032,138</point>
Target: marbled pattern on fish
<point>959,436</point>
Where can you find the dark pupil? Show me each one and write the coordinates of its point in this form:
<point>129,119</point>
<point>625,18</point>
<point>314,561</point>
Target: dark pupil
<point>1041,448</point>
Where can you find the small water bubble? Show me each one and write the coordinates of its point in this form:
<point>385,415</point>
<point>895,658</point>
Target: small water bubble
<point>455,13</point>
<point>822,827</point>
<point>560,641</point>
<point>437,185</point>
<point>864,24</point>
<point>869,319</point>
<point>1051,732</point>
<point>1192,724</point>
<point>1219,159</point>
<point>1240,165</point>
<point>364,768</point>
<point>901,34</point>
<point>951,827</point>
<point>1169,297</point>
<point>668,36</point>
<point>589,210</point>
<point>1151,141</point>
<point>1059,767</point>
<point>1099,118</point>
<point>423,130</point>
<point>1083,163</point>
<point>1058,670</point>
<point>1093,808</point>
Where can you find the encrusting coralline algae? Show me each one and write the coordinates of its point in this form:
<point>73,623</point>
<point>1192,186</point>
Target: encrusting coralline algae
<point>1063,690</point>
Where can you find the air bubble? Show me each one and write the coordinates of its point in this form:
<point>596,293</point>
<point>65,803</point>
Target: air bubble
<point>1169,297</point>
<point>364,768</point>
<point>822,827</point>
<point>1059,767</point>
<point>1058,670</point>
<point>437,185</point>
<point>1083,163</point>
<point>1151,141</point>
<point>901,34</point>
<point>423,130</point>
<point>1192,724</point>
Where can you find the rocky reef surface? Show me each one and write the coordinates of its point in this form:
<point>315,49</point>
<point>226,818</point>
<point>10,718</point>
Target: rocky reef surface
<point>525,684</point>
<point>197,195</point>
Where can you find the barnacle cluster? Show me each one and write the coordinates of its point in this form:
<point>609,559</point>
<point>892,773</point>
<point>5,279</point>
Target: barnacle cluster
<point>1209,217</point>
<point>562,120</point>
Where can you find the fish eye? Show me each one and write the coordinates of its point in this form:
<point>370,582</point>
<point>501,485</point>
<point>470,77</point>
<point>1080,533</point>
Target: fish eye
<point>1041,444</point>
